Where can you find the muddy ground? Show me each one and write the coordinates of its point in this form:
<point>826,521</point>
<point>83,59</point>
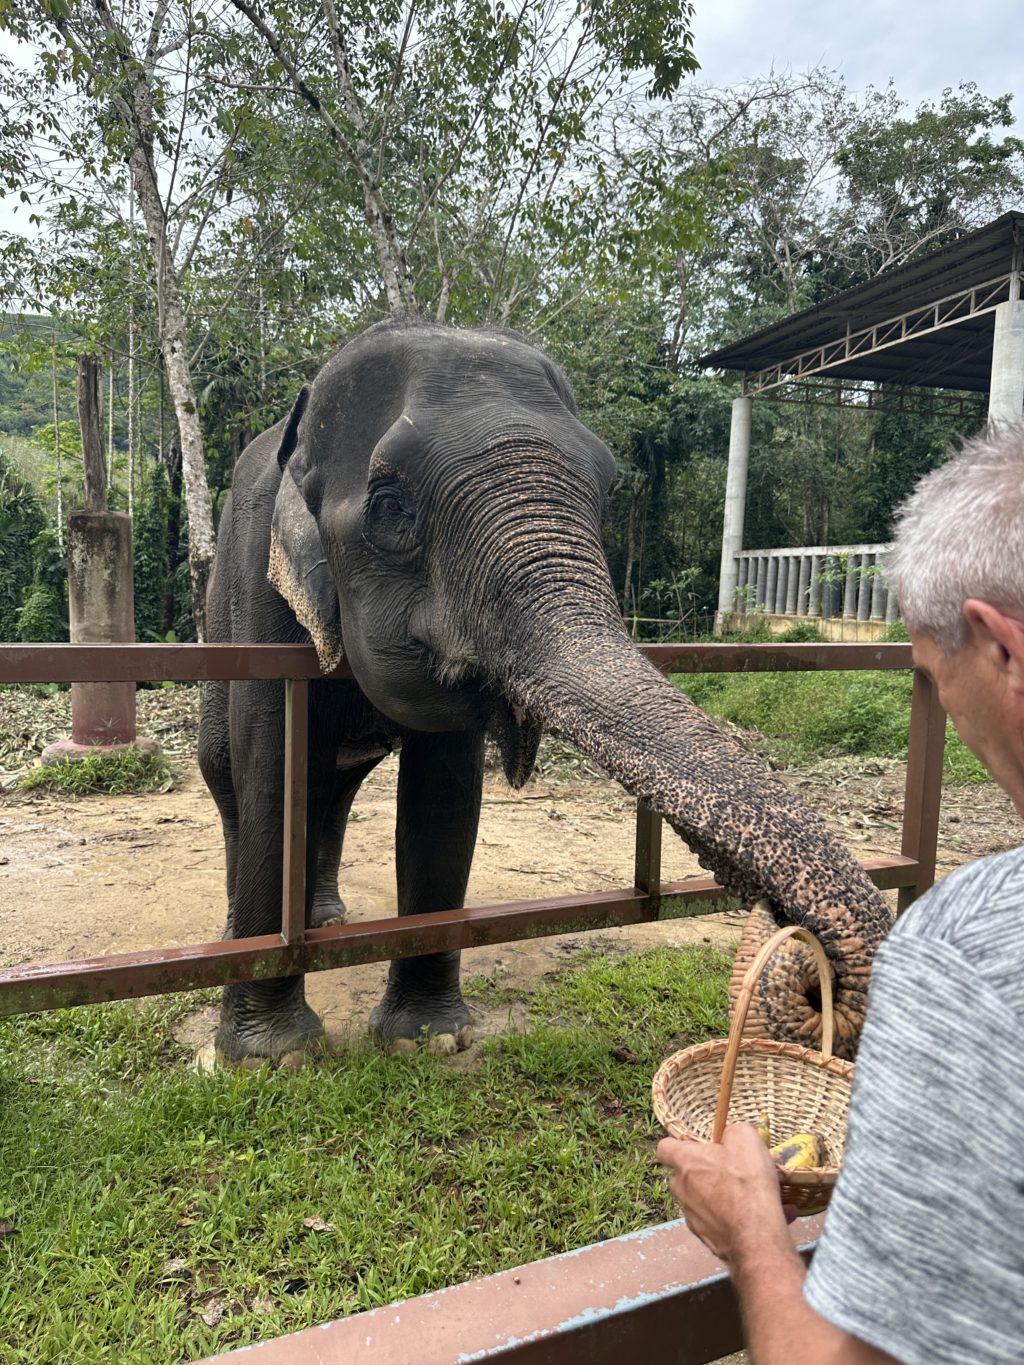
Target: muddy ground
<point>98,875</point>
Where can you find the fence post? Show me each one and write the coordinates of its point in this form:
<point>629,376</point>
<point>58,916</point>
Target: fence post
<point>925,753</point>
<point>647,863</point>
<point>296,744</point>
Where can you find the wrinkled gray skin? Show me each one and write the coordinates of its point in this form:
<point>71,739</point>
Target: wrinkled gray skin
<point>432,508</point>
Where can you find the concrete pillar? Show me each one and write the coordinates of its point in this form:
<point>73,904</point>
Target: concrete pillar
<point>827,568</point>
<point>850,593</point>
<point>892,606</point>
<point>792,584</point>
<point>864,589</point>
<point>814,602</point>
<point>878,593</point>
<point>1006,390</point>
<point>802,596</point>
<point>762,581</point>
<point>735,503</point>
<point>779,605</point>
<point>771,583</point>
<point>102,610</point>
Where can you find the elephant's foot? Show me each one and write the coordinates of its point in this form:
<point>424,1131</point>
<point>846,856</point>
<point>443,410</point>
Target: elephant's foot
<point>328,908</point>
<point>267,1021</point>
<point>401,1023</point>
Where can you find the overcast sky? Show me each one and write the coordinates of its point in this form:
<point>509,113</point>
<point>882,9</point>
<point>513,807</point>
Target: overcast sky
<point>924,45</point>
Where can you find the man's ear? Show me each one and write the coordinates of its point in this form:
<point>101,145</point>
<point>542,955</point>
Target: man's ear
<point>1000,633</point>
<point>298,569</point>
<point>290,439</point>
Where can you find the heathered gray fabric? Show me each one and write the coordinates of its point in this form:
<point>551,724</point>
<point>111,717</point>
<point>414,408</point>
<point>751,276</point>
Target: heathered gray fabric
<point>922,1254</point>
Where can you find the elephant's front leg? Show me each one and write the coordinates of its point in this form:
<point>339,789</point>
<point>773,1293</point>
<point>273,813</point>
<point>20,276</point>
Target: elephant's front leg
<point>439,784</point>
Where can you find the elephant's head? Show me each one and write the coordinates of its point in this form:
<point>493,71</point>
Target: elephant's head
<point>439,519</point>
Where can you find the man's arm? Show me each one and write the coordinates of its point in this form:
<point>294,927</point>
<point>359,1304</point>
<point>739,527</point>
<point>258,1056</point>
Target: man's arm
<point>730,1196</point>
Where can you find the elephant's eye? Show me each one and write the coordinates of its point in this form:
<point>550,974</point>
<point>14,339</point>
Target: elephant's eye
<point>390,521</point>
<point>387,502</point>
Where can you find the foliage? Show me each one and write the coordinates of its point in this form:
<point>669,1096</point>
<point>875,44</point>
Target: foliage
<point>146,1196</point>
<point>809,715</point>
<point>44,611</point>
<point>21,521</point>
<point>120,772</point>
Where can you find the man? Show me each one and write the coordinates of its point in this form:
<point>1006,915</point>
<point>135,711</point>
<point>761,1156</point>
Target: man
<point>922,1255</point>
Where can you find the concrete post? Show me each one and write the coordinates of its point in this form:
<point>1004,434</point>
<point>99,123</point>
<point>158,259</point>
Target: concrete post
<point>762,581</point>
<point>792,584</point>
<point>850,593</point>
<point>878,593</point>
<point>779,604</point>
<point>102,610</point>
<point>814,605</point>
<point>864,589</point>
<point>803,590</point>
<point>772,584</point>
<point>735,504</point>
<point>1006,390</point>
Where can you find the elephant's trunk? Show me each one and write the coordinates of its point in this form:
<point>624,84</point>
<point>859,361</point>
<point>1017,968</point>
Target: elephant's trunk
<point>542,619</point>
<point>743,824</point>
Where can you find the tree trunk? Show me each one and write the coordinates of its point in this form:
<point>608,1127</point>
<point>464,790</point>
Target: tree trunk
<point>95,474</point>
<point>179,379</point>
<point>173,537</point>
<point>627,586</point>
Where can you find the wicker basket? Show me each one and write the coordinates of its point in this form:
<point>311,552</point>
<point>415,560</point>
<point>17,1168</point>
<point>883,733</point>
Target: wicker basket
<point>697,1091</point>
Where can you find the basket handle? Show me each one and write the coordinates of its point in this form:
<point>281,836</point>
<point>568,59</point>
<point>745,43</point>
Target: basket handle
<point>739,1018</point>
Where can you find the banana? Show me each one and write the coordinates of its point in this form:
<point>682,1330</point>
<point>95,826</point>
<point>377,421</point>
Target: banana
<point>764,1129</point>
<point>800,1152</point>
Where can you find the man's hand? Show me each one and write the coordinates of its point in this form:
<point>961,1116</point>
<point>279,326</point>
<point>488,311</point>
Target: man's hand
<point>729,1191</point>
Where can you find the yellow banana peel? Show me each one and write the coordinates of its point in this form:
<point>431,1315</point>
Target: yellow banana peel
<point>800,1152</point>
<point>764,1129</point>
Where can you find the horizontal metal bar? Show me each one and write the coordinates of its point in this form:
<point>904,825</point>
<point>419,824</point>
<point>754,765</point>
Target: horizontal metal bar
<point>656,1294</point>
<point>31,987</point>
<point>158,663</point>
<point>205,663</point>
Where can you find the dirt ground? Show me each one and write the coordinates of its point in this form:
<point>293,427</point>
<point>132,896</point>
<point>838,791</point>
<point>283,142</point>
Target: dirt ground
<point>83,878</point>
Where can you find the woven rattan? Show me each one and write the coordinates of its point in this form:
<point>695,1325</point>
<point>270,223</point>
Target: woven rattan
<point>697,1091</point>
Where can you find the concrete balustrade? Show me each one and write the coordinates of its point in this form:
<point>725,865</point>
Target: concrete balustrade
<point>823,583</point>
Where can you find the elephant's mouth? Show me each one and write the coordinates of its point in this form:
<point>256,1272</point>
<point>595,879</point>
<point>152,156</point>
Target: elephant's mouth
<point>517,736</point>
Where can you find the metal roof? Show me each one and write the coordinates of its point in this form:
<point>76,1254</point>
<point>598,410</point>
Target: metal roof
<point>956,353</point>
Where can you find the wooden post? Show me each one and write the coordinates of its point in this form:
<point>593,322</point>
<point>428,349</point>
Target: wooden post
<point>92,435</point>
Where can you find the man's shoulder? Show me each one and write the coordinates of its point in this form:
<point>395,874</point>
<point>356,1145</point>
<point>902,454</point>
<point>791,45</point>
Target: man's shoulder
<point>978,911</point>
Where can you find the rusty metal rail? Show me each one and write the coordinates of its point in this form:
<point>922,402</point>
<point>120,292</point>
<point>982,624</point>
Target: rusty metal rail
<point>297,949</point>
<point>658,1291</point>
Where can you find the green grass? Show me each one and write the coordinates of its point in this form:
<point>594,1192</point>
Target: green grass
<point>121,772</point>
<point>807,716</point>
<point>144,1195</point>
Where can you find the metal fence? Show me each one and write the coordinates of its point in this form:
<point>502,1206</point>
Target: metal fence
<point>657,1290</point>
<point>295,949</point>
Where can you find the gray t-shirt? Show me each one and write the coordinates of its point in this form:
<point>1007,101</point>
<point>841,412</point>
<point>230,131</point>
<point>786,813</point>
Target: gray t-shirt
<point>922,1254</point>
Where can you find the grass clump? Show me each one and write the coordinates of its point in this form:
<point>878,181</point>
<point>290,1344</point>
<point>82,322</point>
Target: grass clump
<point>807,716</point>
<point>121,772</point>
<point>154,1214</point>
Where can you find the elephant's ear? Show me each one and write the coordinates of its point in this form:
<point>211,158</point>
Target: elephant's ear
<point>298,567</point>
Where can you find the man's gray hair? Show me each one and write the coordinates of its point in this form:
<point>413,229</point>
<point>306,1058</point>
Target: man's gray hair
<point>959,535</point>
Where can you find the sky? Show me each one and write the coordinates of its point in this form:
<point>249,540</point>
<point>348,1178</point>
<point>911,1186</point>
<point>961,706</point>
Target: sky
<point>924,45</point>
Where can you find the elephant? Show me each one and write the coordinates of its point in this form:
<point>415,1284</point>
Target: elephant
<point>430,511</point>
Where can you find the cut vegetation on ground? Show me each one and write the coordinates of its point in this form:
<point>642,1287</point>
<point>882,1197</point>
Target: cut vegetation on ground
<point>152,1214</point>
